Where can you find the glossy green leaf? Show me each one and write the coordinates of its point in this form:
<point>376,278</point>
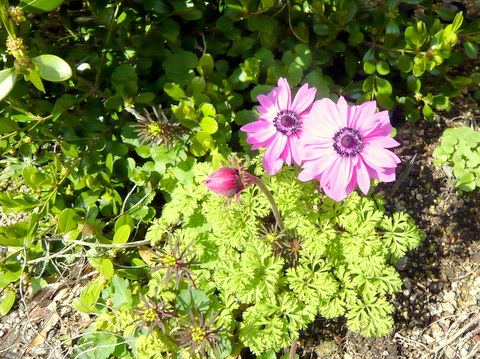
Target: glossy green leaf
<point>145,97</point>
<point>208,110</point>
<point>405,63</point>
<point>174,91</point>
<point>68,220</point>
<point>124,219</point>
<point>368,84</point>
<point>89,296</point>
<point>382,67</point>
<point>414,84</point>
<point>12,271</point>
<point>385,101</point>
<point>122,234</point>
<point>113,103</point>
<point>52,68</point>
<point>7,125</point>
<point>35,79</point>
<point>8,77</point>
<point>209,125</point>
<point>41,5</point>
<point>383,86</point>
<point>369,67</point>
<point>106,268</point>
<point>196,86</point>
<point>205,65</point>
<point>7,303</point>
<point>427,112</point>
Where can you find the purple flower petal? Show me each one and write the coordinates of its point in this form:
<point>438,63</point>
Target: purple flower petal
<point>259,131</point>
<point>362,175</point>
<point>303,99</point>
<point>381,141</point>
<point>283,99</point>
<point>268,107</point>
<point>273,154</point>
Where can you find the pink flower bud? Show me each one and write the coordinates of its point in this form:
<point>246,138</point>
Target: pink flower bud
<point>225,182</point>
<point>228,181</point>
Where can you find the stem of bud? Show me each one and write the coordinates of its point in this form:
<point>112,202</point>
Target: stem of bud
<point>269,196</point>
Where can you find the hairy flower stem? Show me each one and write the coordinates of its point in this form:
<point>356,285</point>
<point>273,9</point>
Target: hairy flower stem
<point>293,349</point>
<point>269,196</point>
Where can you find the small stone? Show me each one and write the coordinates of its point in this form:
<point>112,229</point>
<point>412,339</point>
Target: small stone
<point>401,264</point>
<point>449,296</point>
<point>476,257</point>
<point>40,350</point>
<point>419,197</point>
<point>326,349</point>
<point>448,309</point>
<point>428,339</point>
<point>450,353</point>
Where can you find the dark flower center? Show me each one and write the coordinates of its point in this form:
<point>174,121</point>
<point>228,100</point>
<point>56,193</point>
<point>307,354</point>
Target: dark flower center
<point>287,122</point>
<point>348,142</point>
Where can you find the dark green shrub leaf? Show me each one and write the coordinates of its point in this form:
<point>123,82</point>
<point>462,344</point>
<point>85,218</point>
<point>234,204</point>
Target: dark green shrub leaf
<point>471,49</point>
<point>41,5</point>
<point>355,37</point>
<point>178,66</point>
<point>368,84</point>
<point>405,63</point>
<point>7,125</point>
<point>383,86</point>
<point>427,112</point>
<point>205,65</point>
<point>113,103</point>
<point>446,13</point>
<point>145,97</point>
<point>413,83</point>
<point>68,220</point>
<point>385,101</point>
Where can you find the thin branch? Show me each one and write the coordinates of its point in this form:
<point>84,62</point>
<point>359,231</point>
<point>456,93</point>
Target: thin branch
<point>101,245</point>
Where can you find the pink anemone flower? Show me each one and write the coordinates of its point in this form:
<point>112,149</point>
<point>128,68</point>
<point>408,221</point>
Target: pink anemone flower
<point>280,125</point>
<point>346,146</point>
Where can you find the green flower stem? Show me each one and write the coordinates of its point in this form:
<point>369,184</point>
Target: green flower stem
<point>269,196</point>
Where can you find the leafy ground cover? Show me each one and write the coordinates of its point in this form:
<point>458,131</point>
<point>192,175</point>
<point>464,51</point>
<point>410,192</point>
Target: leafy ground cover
<point>114,114</point>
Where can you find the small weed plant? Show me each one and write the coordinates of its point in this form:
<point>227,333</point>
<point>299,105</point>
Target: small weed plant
<point>460,151</point>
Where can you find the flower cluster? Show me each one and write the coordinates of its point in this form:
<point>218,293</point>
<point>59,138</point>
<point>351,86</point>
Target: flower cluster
<point>340,145</point>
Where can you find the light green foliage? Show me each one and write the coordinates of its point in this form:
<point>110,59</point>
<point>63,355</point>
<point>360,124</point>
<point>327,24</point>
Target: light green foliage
<point>343,264</point>
<point>460,150</point>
